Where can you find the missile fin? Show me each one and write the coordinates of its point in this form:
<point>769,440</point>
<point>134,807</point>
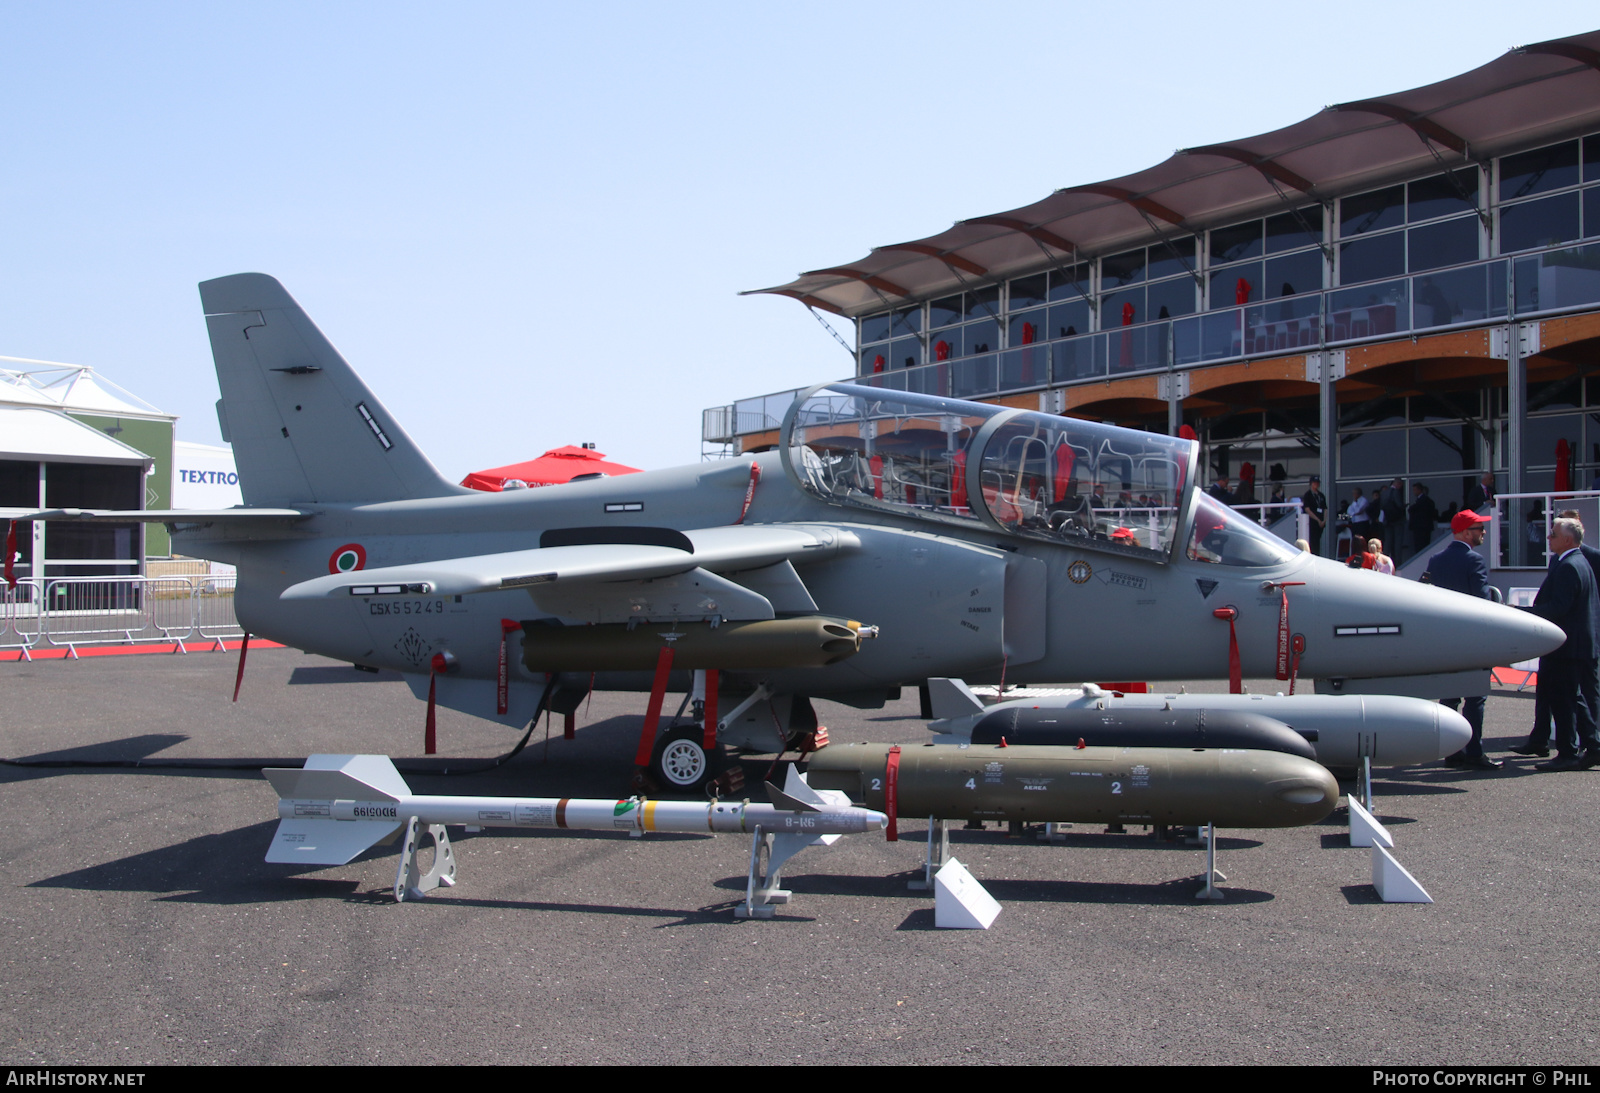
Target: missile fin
<point>340,778</point>
<point>317,841</point>
<point>952,698</point>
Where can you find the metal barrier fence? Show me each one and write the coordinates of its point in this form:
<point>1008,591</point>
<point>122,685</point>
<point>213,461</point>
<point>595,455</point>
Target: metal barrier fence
<point>66,612</point>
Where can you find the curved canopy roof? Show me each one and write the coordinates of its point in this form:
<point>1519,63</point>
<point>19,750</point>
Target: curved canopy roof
<point>1528,96</point>
<point>554,467</point>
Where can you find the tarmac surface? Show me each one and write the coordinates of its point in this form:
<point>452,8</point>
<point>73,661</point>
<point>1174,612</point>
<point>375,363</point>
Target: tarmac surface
<point>141,925</point>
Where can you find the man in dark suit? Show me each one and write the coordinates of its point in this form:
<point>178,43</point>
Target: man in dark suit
<point>1460,568</point>
<point>1568,675</point>
<point>1539,738</point>
<point>1482,492</point>
<point>1315,503</point>
<point>1423,518</point>
<point>1392,510</point>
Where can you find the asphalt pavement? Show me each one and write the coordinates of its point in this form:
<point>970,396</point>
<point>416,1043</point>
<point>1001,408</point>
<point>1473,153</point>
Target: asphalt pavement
<point>143,927</point>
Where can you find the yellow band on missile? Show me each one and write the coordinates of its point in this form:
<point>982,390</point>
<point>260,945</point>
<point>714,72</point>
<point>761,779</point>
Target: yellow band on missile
<point>647,818</point>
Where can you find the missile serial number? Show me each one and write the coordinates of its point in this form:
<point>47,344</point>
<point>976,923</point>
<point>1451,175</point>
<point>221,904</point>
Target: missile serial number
<point>406,607</point>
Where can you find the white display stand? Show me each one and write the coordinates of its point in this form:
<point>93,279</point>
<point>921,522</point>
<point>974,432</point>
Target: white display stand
<point>1365,830</point>
<point>1393,882</point>
<point>959,901</point>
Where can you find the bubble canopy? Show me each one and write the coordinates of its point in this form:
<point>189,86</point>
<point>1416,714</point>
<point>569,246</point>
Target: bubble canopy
<point>967,464</point>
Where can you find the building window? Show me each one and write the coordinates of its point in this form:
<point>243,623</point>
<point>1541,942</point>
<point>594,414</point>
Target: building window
<point>1543,223</point>
<point>1539,171</point>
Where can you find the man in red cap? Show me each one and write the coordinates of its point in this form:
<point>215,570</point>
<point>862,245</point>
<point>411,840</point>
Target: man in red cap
<point>1460,568</point>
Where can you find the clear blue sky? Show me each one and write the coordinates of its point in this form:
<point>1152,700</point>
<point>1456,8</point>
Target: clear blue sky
<point>527,224</point>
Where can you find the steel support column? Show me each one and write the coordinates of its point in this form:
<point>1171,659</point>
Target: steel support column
<point>1328,431</point>
<point>1516,530</point>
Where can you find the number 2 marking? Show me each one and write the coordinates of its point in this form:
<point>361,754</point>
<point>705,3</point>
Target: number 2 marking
<point>1116,787</point>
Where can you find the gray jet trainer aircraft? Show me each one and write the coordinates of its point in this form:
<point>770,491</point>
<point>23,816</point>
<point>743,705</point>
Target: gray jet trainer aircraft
<point>980,542</point>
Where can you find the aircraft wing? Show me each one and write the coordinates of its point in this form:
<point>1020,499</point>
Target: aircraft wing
<point>716,550</point>
<point>167,516</point>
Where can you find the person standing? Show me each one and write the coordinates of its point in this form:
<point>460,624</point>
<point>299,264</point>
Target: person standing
<point>1482,492</point>
<point>1315,504</point>
<point>1460,568</point>
<point>1392,506</point>
<point>1360,520</point>
<point>1422,517</point>
<point>1538,742</point>
<point>1219,490</point>
<point>1567,676</point>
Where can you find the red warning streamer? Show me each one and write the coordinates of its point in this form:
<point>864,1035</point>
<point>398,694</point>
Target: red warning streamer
<point>891,794</point>
<point>11,554</point>
<point>430,742</point>
<point>709,728</point>
<point>750,491</point>
<point>502,694</point>
<point>1283,669</point>
<point>1235,675</point>
<point>1294,672</point>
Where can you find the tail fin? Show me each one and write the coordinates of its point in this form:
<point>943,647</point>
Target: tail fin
<point>952,698</point>
<point>303,426</point>
<point>311,835</point>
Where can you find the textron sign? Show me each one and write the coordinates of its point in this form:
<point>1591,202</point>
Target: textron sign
<point>204,477</point>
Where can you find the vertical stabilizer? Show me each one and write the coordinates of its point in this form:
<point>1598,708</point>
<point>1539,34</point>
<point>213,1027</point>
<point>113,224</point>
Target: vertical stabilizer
<point>304,428</point>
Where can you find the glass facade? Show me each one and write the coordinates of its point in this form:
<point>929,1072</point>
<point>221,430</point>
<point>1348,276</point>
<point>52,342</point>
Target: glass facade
<point>1415,255</point>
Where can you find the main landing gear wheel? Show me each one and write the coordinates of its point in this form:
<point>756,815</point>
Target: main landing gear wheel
<point>680,762</point>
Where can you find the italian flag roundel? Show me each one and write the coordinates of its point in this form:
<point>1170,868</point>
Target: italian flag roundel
<point>347,559</point>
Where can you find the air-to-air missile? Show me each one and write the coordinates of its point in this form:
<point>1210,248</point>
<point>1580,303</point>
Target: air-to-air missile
<point>337,806</point>
<point>1224,786</point>
<point>1388,729</point>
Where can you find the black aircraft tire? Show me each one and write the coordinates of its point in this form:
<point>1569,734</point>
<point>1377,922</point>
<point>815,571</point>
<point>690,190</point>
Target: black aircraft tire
<point>680,763</point>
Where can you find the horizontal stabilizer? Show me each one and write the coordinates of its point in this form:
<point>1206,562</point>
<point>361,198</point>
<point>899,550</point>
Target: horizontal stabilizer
<point>169,516</point>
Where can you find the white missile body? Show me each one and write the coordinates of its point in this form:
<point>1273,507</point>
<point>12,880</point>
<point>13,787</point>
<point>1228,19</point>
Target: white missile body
<point>1391,730</point>
<point>339,805</point>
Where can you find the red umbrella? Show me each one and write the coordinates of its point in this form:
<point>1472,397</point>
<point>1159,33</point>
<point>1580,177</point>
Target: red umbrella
<point>552,468</point>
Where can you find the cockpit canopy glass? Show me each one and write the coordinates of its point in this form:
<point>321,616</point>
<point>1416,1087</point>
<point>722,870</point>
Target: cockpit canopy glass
<point>1223,536</point>
<point>1037,476</point>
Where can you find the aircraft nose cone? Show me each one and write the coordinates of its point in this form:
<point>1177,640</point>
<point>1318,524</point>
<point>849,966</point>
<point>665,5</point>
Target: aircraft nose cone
<point>1374,625</point>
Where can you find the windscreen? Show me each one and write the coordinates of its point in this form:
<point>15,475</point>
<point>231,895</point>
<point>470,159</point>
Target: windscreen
<point>1226,537</point>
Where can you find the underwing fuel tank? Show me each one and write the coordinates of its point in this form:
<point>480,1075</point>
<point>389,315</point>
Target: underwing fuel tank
<point>1020,723</point>
<point>813,641</point>
<point>1391,730</point>
<point>1169,786</point>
